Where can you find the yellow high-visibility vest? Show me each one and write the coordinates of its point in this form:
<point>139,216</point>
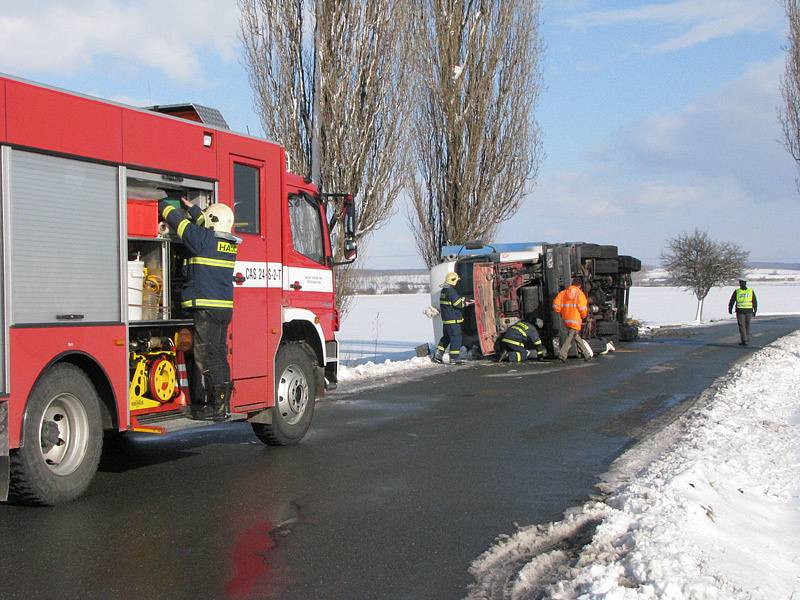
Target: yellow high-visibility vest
<point>744,298</point>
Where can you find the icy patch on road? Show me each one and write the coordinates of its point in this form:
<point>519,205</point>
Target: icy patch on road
<point>713,512</point>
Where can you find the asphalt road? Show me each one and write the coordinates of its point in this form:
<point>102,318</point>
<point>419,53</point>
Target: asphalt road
<point>391,495</point>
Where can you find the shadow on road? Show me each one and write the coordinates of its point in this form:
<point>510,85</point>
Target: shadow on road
<point>124,452</point>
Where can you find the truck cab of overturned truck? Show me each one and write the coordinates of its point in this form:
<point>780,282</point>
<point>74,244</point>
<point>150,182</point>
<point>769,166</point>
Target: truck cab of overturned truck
<point>511,282</point>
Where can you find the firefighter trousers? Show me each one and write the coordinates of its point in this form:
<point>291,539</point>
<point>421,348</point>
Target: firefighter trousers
<point>522,353</point>
<point>210,348</point>
<point>451,337</point>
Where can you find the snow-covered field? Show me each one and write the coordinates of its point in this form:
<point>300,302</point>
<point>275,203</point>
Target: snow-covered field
<point>707,509</point>
<point>671,305</point>
<point>657,276</point>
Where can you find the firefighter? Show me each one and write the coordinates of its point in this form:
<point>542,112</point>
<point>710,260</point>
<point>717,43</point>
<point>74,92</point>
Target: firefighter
<point>208,294</point>
<point>517,339</point>
<point>451,307</point>
<point>744,298</point>
<point>571,304</point>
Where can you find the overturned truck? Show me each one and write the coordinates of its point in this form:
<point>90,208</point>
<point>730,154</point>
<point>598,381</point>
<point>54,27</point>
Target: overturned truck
<point>510,282</point>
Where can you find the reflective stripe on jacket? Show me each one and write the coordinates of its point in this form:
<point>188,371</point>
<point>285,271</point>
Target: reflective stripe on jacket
<point>572,305</point>
<point>520,334</point>
<point>209,281</point>
<point>451,305</point>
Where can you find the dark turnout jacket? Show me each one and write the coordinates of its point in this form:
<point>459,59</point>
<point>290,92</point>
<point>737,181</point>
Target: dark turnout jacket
<point>451,305</point>
<point>521,334</point>
<point>209,282</point>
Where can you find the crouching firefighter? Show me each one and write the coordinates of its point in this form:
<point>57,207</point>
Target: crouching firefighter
<point>520,342</point>
<point>208,294</point>
<point>451,307</point>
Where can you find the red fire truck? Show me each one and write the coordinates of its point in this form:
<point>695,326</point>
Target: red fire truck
<point>93,339</point>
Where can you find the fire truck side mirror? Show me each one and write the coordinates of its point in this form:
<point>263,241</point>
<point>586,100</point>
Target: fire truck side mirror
<point>350,245</point>
<point>350,249</point>
<point>346,204</point>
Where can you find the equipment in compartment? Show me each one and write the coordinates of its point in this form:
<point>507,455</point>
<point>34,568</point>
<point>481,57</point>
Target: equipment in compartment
<point>142,218</point>
<point>136,275</point>
<point>146,299</point>
<point>155,363</point>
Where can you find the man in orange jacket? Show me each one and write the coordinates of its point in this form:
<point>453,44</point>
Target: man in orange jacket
<point>573,307</point>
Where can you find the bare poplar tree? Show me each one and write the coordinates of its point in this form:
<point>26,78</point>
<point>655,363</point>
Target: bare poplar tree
<point>698,263</point>
<point>475,140</point>
<point>789,115</point>
<point>334,69</point>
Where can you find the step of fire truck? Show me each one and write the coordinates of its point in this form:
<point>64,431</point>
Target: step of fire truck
<point>170,422</point>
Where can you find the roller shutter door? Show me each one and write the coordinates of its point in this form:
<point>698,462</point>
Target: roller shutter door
<point>64,240</point>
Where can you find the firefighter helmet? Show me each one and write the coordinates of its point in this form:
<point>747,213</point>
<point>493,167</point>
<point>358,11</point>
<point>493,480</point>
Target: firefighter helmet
<point>451,278</point>
<point>219,217</point>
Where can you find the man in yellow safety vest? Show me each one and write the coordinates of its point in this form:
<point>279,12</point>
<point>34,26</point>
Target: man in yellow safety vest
<point>746,304</point>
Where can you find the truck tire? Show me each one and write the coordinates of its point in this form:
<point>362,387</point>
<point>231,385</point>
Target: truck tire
<point>62,439</point>
<point>628,333</point>
<point>589,251</point>
<point>295,396</point>
<point>629,263</point>
<point>608,252</point>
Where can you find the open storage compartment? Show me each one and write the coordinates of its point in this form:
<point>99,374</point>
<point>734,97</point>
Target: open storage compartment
<point>159,330</point>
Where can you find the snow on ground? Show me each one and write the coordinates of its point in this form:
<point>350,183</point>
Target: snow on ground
<point>709,508</point>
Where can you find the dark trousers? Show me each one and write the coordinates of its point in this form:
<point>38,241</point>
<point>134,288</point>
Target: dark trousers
<point>744,318</point>
<point>452,338</point>
<point>515,353</point>
<point>210,348</point>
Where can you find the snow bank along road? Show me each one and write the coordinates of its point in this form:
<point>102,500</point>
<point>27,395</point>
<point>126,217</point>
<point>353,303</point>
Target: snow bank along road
<point>709,507</point>
<point>394,493</point>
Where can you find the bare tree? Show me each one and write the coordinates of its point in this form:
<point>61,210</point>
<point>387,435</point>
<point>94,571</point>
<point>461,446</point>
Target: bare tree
<point>698,263</point>
<point>475,140</point>
<point>334,69</point>
<point>789,115</point>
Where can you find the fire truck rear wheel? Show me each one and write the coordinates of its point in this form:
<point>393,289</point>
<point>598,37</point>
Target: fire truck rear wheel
<point>295,395</point>
<point>62,439</point>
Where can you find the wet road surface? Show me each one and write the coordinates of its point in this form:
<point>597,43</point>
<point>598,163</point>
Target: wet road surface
<point>391,495</point>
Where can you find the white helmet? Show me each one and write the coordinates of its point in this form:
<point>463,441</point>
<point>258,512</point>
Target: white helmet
<point>219,217</point>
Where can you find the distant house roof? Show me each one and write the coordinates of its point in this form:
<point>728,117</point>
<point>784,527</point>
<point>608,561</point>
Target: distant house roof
<point>193,112</point>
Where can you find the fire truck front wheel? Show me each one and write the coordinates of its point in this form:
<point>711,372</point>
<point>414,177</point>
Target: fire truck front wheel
<point>295,395</point>
<point>62,439</point>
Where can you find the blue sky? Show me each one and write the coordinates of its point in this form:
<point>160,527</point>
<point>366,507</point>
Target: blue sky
<point>657,116</point>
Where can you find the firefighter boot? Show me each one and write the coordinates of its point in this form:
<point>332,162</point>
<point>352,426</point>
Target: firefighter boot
<point>202,412</point>
<point>455,358</point>
<point>221,401</point>
<point>438,356</point>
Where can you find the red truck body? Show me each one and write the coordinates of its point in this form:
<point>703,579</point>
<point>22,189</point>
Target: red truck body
<point>63,153</point>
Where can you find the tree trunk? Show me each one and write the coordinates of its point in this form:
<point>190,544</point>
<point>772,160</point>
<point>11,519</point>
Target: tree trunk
<point>698,317</point>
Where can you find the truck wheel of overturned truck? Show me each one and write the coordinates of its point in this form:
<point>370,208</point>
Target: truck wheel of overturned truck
<point>62,439</point>
<point>295,395</point>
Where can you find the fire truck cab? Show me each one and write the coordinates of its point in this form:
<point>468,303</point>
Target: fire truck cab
<point>93,337</point>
